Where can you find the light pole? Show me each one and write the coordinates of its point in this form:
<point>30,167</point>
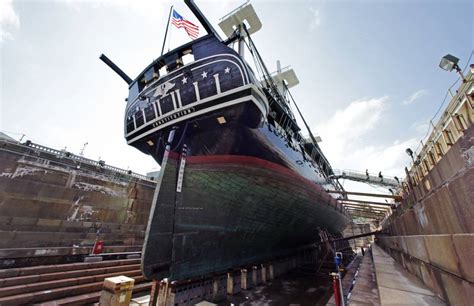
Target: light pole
<point>83,148</point>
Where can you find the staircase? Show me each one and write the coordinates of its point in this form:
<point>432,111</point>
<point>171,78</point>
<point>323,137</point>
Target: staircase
<point>65,284</point>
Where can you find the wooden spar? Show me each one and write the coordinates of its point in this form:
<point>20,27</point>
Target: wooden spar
<point>376,195</point>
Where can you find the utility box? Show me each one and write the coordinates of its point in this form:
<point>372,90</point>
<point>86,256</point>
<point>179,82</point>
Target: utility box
<point>116,291</point>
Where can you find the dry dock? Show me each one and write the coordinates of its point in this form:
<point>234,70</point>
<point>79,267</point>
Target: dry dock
<point>54,206</point>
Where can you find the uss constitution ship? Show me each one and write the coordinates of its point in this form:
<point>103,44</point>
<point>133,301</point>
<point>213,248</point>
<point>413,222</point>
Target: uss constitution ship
<point>239,183</point>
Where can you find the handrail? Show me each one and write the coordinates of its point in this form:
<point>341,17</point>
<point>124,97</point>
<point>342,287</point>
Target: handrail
<point>81,159</point>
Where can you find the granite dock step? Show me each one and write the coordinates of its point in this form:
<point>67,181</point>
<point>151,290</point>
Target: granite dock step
<point>29,279</point>
<point>78,283</point>
<point>14,272</point>
<point>91,298</point>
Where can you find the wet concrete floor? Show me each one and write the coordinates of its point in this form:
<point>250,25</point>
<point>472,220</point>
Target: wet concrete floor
<point>294,288</point>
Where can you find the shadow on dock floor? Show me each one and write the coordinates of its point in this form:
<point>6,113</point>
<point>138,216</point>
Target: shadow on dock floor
<point>294,288</point>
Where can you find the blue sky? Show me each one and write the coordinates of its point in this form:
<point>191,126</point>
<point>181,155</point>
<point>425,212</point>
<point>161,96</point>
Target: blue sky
<point>368,70</point>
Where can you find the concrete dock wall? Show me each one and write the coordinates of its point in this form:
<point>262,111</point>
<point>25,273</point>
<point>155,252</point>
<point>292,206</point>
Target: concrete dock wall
<point>432,232</point>
<point>49,199</point>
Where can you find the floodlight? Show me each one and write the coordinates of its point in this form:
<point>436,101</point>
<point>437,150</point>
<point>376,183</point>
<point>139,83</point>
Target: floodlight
<point>449,62</point>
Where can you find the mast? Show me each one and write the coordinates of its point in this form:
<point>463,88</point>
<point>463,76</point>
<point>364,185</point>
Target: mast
<point>241,40</point>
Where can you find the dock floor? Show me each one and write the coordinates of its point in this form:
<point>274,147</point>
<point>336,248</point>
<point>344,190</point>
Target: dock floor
<point>365,290</point>
<point>398,286</point>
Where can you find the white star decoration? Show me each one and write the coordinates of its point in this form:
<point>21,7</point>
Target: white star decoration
<point>184,80</point>
<point>204,74</point>
<point>227,70</point>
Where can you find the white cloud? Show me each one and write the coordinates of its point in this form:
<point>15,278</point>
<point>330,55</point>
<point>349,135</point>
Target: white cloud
<point>390,159</point>
<point>342,136</point>
<point>346,126</point>
<point>9,20</point>
<point>415,96</point>
<point>315,18</point>
<point>150,9</point>
<point>421,127</point>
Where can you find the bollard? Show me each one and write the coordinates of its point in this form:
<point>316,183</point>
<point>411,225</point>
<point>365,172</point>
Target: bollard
<point>117,291</point>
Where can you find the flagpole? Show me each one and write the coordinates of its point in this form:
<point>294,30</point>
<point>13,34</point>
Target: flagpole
<point>166,32</point>
<point>169,38</point>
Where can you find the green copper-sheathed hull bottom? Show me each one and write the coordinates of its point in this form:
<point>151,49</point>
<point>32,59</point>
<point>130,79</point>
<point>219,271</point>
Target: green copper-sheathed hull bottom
<point>232,211</point>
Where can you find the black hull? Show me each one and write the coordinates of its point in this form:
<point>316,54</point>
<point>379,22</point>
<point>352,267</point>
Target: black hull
<point>246,196</point>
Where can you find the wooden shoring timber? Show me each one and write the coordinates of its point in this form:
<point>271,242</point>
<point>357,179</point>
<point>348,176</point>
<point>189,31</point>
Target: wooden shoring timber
<point>365,194</point>
<point>366,202</point>
<point>367,217</point>
<point>366,207</point>
<point>351,237</point>
<point>377,218</point>
<point>367,212</point>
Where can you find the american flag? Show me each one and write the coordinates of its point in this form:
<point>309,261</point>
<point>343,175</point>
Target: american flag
<point>189,27</point>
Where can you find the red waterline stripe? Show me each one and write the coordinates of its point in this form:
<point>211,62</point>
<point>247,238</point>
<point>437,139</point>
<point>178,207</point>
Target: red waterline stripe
<point>250,161</point>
